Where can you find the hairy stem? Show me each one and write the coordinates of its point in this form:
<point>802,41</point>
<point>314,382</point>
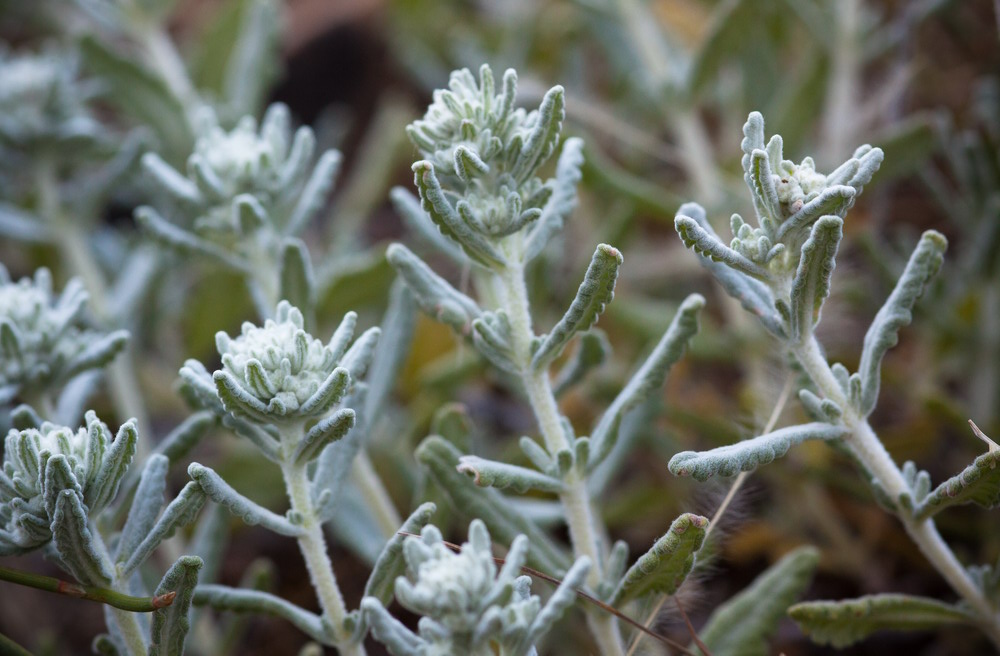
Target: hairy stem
<point>869,450</point>
<point>313,547</point>
<point>580,518</point>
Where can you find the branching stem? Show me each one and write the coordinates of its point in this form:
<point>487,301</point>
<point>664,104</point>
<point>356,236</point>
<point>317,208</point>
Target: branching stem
<point>575,500</point>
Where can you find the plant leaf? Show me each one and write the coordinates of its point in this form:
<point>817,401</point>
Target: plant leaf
<point>979,483</point>
<point>223,597</point>
<point>500,475</point>
<point>896,313</point>
<point>664,567</point>
<point>843,623</point>
<point>170,625</point>
<point>647,379</point>
<point>595,292</point>
<point>811,285</point>
<point>251,513</point>
<point>749,454</point>
<point>744,624</point>
<point>179,512</point>
<point>434,294</point>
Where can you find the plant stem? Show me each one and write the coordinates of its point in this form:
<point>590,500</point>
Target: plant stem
<point>126,394</point>
<point>313,547</point>
<point>92,593</point>
<point>575,500</point>
<point>866,445</point>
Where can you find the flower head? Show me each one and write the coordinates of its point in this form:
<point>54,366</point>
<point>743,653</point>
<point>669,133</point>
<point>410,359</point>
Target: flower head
<point>41,102</point>
<point>279,372</point>
<point>41,463</point>
<point>468,606</point>
<point>43,338</point>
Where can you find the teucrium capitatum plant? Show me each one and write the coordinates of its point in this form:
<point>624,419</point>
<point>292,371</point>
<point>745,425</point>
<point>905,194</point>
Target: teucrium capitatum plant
<point>479,185</point>
<point>781,271</point>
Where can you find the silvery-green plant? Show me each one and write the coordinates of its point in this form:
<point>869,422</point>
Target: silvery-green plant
<point>780,270</point>
<point>466,605</point>
<point>57,491</point>
<point>45,341</point>
<point>480,186</point>
<point>278,387</point>
<point>245,197</point>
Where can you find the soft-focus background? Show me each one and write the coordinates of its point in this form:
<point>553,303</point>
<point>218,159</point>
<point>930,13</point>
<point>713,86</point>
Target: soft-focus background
<point>659,91</point>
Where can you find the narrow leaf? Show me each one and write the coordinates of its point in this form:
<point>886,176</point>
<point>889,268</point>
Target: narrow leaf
<point>500,475</point>
<point>75,543</point>
<point>562,201</point>
<point>843,623</point>
<point>390,563</point>
<point>979,483</point>
<point>170,235</point>
<point>708,245</point>
<point>326,431</point>
<point>663,568</point>
<point>433,293</point>
<point>225,598</point>
<point>179,512</point>
<point>504,524</point>
<point>896,313</point>
<point>298,283</point>
<point>170,625</point>
<point>146,504</point>
<point>596,291</point>
<point>749,454</point>
<point>647,379</point>
<point>592,350</point>
<point>744,625</point>
<point>811,285</point>
<point>251,513</point>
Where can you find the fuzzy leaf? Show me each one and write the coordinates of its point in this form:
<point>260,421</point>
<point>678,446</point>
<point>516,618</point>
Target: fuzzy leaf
<point>749,454</point>
<point>434,201</point>
<point>831,201</point>
<point>75,543</point>
<point>225,598</point>
<point>664,567</point>
<point>542,140</point>
<point>896,313</point>
<point>744,624</point>
<point>397,332</point>
<point>357,358</point>
<point>392,633</point>
<point>434,294</point>
<point>811,285</point>
<point>500,475</point>
<point>843,623</point>
<point>146,505</point>
<point>419,222</point>
<point>298,283</point>
<point>186,435</point>
<point>562,201</point>
<point>390,563</point>
<point>596,291</point>
<point>755,297</point>
<point>170,625</point>
<point>504,524</point>
<point>170,235</point>
<point>979,483</point>
<point>314,193</point>
<point>113,467</point>
<point>251,64</point>
<point>560,600</point>
<point>647,379</point>
<point>179,512</point>
<point>708,245</point>
<point>326,431</point>
<point>251,513</point>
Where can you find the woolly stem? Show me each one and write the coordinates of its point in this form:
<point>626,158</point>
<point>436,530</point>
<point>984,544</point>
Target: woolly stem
<point>313,547</point>
<point>868,448</point>
<point>575,500</point>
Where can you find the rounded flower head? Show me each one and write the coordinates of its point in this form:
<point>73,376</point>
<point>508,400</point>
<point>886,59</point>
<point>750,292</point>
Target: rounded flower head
<point>43,340</point>
<point>279,372</point>
<point>246,188</point>
<point>41,103</point>
<point>468,606</point>
<point>478,179</point>
<point>40,463</point>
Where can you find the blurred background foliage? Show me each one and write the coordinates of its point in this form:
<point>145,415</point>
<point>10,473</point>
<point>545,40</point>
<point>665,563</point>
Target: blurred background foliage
<point>658,90</point>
